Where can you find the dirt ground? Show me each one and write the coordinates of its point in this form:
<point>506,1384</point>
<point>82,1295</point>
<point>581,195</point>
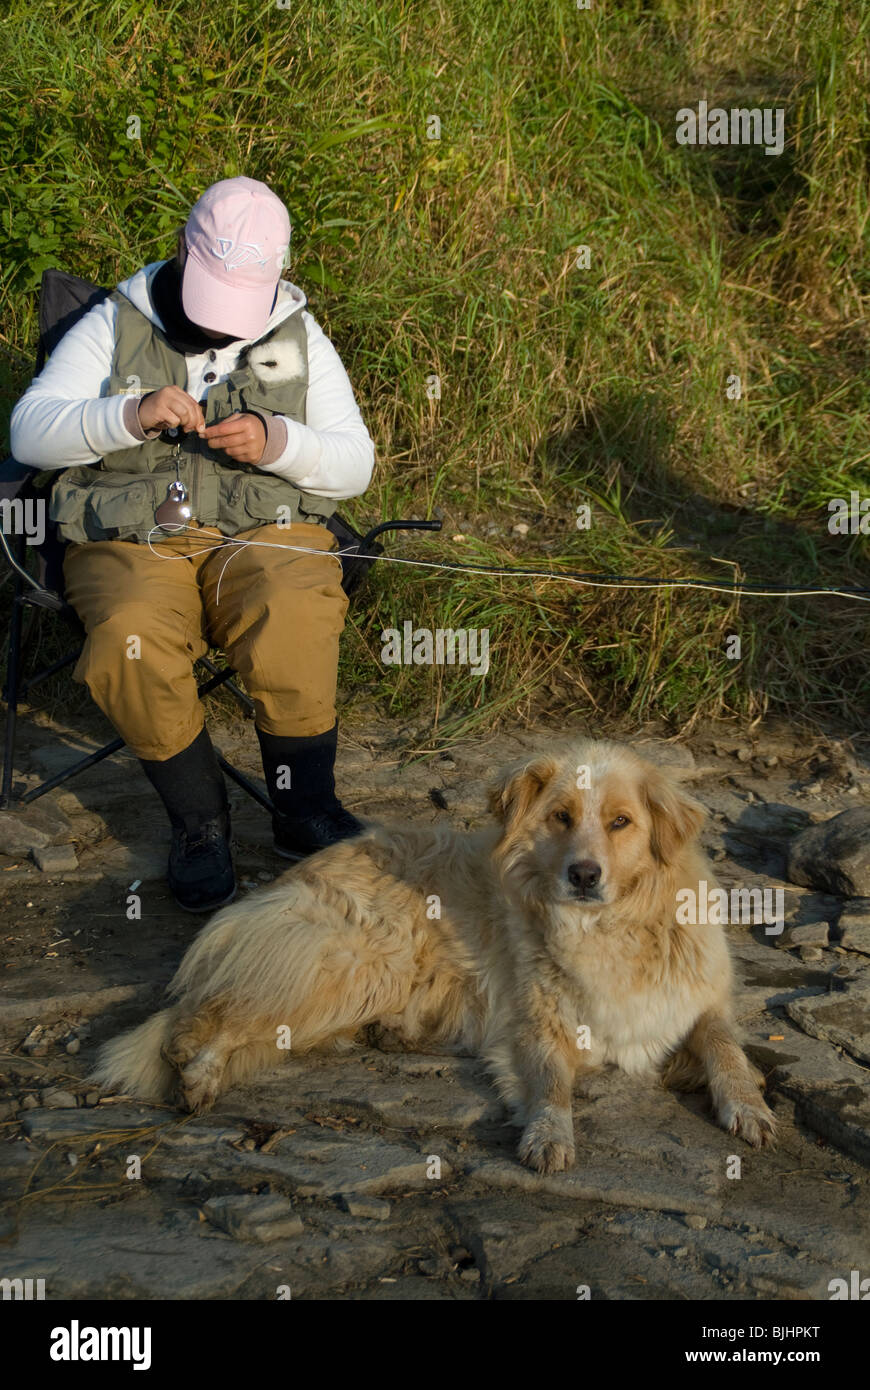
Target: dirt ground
<point>388,1175</point>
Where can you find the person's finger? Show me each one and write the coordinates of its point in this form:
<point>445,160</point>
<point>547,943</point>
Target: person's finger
<point>189,411</point>
<point>236,437</point>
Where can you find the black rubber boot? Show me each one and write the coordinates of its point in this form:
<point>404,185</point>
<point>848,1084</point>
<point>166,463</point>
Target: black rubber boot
<point>300,776</point>
<point>191,787</point>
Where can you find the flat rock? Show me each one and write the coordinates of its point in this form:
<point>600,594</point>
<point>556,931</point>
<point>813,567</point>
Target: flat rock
<point>609,1183</point>
<point>831,1092</point>
<point>87,1002</point>
<point>842,1018</point>
<point>770,820</point>
<point>69,1125</point>
<point>32,827</point>
<point>59,1100</point>
<point>834,855</point>
<point>55,859</point>
<point>853,926</point>
<point>252,1217</point>
<point>765,978</point>
<point>372,1208</point>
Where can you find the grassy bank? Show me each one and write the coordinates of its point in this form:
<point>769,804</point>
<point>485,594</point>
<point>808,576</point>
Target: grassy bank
<point>458,258</point>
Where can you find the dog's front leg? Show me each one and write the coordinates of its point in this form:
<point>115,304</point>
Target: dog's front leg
<point>733,1081</point>
<point>546,1046</point>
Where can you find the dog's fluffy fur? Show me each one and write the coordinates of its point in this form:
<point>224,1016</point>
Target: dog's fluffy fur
<point>504,943</point>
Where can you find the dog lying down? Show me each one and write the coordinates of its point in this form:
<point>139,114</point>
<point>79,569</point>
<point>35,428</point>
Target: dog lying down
<point>546,943</point>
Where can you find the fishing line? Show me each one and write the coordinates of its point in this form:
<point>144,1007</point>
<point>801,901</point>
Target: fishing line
<point>576,577</point>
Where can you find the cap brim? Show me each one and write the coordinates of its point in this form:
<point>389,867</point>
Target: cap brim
<point>232,310</point>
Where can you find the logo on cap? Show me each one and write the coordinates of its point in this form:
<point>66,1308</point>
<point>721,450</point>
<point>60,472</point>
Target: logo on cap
<point>237,254</point>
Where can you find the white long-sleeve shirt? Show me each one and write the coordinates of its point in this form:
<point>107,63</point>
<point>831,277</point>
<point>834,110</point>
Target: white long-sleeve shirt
<point>65,418</point>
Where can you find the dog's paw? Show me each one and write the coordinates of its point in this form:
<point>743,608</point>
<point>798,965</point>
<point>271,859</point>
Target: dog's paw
<point>198,1083</point>
<point>750,1119</point>
<point>547,1144</point>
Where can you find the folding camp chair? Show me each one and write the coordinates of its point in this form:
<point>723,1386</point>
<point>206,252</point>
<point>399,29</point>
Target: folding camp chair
<point>63,300</point>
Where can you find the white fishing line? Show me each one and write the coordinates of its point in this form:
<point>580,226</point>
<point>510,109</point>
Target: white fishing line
<point>508,572</point>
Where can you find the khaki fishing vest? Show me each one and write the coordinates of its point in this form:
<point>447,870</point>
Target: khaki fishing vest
<point>116,498</point>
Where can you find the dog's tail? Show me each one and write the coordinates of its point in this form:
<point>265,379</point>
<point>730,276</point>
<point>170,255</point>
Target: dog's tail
<point>134,1063</point>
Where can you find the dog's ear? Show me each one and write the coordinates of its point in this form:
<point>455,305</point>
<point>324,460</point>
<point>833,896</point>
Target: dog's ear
<point>676,817</point>
<point>517,790</point>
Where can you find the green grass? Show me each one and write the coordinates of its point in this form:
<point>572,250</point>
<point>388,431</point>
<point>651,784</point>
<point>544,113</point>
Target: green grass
<point>457,257</point>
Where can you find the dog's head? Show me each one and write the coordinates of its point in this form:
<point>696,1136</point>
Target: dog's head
<point>586,827</point>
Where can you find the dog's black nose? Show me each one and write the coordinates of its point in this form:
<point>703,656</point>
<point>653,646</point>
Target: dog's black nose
<point>584,874</point>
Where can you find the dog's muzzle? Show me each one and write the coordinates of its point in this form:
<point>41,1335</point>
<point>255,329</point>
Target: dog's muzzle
<point>583,877</point>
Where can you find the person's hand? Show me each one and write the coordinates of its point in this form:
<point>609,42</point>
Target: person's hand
<point>170,408</point>
<point>243,437</point>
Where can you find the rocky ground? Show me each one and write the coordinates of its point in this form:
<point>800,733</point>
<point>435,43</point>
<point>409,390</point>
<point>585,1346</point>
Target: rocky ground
<point>385,1175</point>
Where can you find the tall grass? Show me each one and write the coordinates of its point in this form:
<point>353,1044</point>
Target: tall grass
<point>458,258</point>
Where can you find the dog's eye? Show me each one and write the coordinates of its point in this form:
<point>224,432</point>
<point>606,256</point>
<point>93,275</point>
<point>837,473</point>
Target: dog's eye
<point>619,822</point>
<point>563,817</point>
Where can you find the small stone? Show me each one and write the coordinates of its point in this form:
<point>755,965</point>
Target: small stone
<point>812,789</point>
<point>73,1046</point>
<point>805,934</point>
<point>809,954</point>
<point>743,754</point>
<point>59,1100</point>
<point>29,1103</point>
<point>376,1208</point>
<point>251,1217</point>
<point>92,1098</point>
<point>36,1043</point>
<point>72,1159</point>
<point>521,529</point>
<point>55,859</point>
<point>681,1252</point>
<point>696,1223</point>
<point>470,1276</point>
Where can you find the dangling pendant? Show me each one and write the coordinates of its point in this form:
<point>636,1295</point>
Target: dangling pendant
<point>174,512</point>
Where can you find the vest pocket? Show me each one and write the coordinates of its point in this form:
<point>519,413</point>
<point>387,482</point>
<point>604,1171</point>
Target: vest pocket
<point>109,507</point>
<point>267,500</point>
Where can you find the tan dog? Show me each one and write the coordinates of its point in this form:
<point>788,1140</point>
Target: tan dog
<point>510,942</point>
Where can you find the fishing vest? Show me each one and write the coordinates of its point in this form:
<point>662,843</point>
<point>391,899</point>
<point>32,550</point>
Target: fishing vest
<point>116,498</point>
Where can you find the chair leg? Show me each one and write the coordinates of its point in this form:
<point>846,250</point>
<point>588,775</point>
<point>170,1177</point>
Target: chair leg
<point>73,770</point>
<point>13,679</point>
<point>246,784</point>
<point>224,678</point>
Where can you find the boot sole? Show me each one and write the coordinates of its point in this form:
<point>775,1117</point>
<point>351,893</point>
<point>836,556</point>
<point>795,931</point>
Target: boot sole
<point>211,907</point>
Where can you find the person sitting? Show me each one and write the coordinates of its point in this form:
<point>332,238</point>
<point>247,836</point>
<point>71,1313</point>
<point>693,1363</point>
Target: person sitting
<point>198,407</point>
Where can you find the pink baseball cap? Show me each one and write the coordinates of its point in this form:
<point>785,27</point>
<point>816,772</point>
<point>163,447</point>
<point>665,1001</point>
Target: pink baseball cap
<point>238,237</point>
